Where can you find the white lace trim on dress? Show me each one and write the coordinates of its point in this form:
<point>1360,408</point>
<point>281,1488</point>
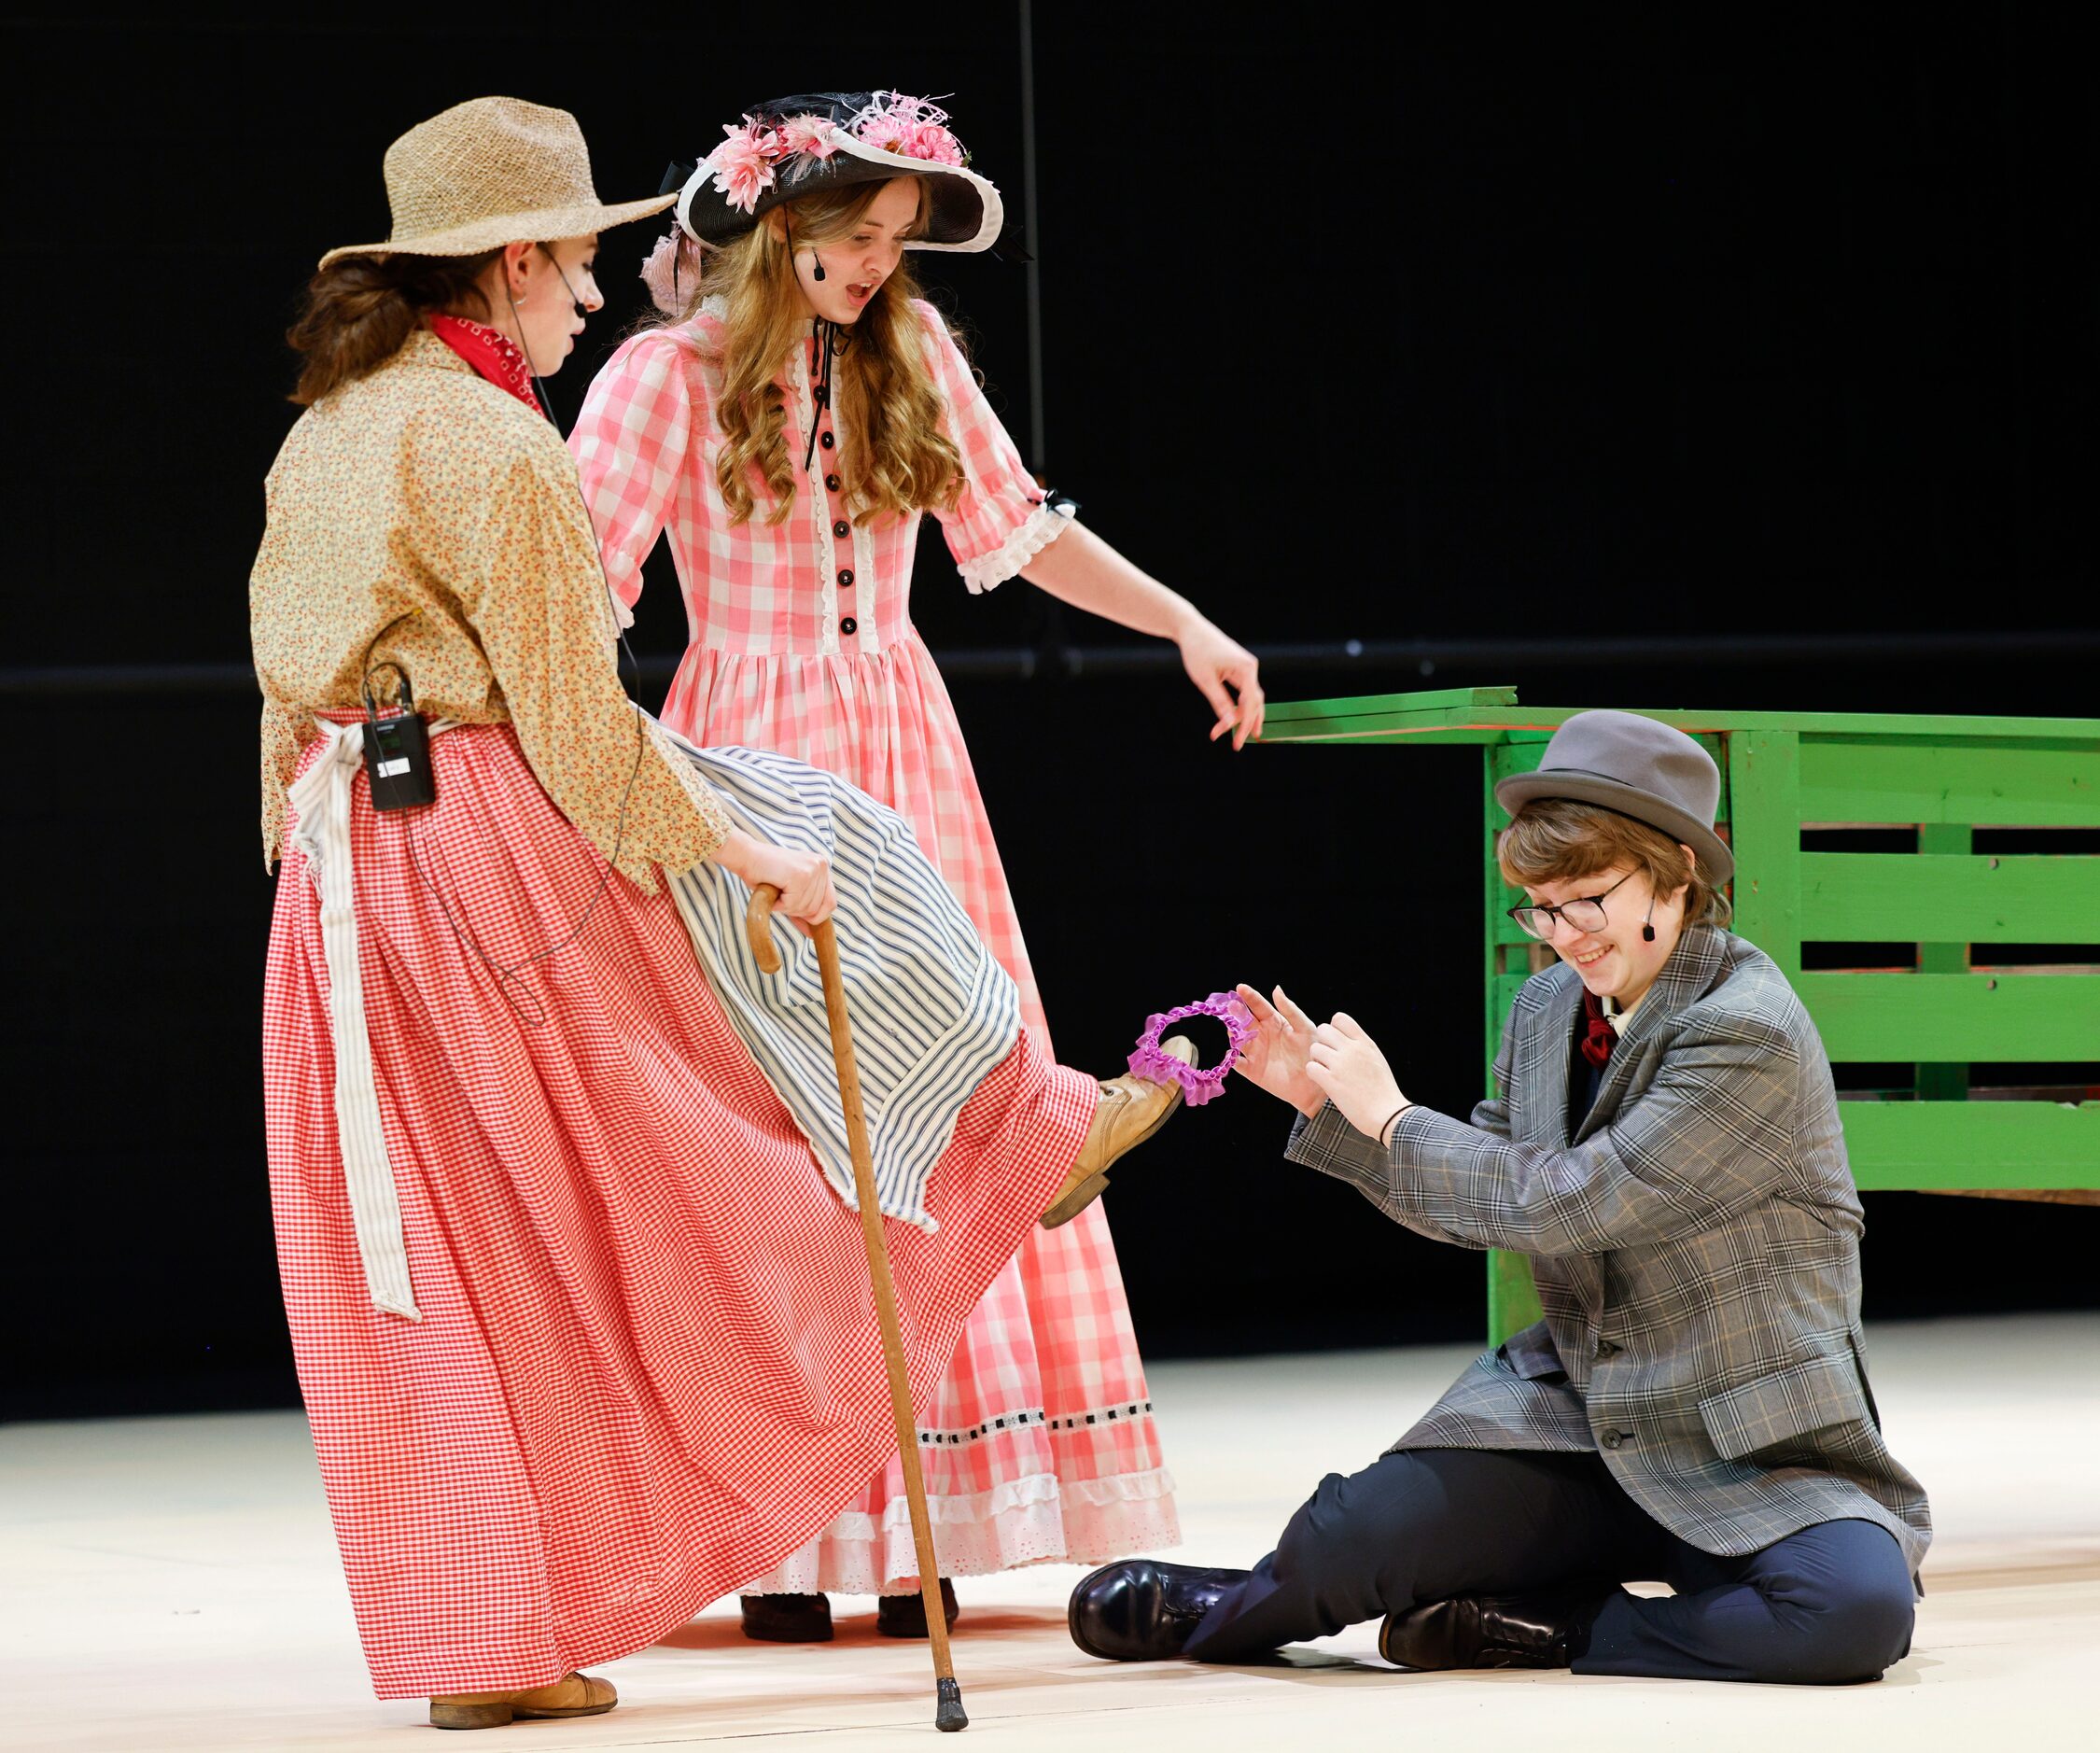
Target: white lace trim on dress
<point>1040,1519</point>
<point>988,571</point>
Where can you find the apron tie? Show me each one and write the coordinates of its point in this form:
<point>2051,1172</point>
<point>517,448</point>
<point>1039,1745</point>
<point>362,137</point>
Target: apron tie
<point>321,798</point>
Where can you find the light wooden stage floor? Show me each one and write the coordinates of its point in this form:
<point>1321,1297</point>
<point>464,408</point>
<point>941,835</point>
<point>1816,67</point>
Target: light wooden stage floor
<point>172,1583</point>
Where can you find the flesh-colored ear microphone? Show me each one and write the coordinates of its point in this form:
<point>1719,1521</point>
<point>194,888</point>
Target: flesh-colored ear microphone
<point>816,261</point>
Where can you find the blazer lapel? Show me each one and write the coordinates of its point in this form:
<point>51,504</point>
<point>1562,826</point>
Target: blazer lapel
<point>1554,1041</point>
<point>1687,976</point>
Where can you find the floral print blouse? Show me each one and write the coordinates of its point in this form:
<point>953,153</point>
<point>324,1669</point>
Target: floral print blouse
<point>421,515</point>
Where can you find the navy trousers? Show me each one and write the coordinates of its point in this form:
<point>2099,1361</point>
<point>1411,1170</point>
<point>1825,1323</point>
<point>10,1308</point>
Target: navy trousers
<point>1833,1603</point>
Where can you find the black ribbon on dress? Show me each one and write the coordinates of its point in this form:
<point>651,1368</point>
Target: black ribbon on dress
<point>831,341</point>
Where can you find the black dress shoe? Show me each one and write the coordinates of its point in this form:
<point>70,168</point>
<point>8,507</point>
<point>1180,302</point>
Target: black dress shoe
<point>905,1614</point>
<point>1545,1630</point>
<point>1141,1610</point>
<point>787,1619</point>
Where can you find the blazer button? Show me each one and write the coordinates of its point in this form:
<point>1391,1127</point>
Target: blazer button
<point>842,529</point>
<point>834,482</point>
<point>846,577</point>
<point>849,626</point>
<point>825,439</point>
<point>1606,1349</point>
<point>1612,1439</point>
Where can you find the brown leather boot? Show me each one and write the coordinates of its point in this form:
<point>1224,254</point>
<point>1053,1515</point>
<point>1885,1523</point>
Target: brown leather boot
<point>787,1619</point>
<point>572,1695</point>
<point>905,1614</point>
<point>1129,1110</point>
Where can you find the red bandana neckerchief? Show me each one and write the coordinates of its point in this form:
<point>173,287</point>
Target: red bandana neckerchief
<point>492,353</point>
<point>1597,1032</point>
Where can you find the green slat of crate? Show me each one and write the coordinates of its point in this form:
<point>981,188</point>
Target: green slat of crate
<point>1764,780</point>
<point>1512,1296</point>
<point>1520,753</point>
<point>1973,784</point>
<point>1361,706</point>
<point>1433,729</point>
<point>1491,887</point>
<point>1954,1017</point>
<point>1365,713</point>
<point>1443,715</point>
<point>1865,897</point>
<point>1943,951</point>
<point>2037,1145</point>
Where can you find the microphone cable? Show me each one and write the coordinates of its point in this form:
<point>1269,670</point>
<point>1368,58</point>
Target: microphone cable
<point>506,974</point>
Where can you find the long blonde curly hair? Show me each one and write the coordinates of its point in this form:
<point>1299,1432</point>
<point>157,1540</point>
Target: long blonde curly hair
<point>896,456</point>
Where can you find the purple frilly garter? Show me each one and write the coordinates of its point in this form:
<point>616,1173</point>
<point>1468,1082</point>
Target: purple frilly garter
<point>1199,1083</point>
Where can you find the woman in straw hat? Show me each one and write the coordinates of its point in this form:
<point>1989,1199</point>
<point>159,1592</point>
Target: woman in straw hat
<point>787,430</point>
<point>583,1339</point>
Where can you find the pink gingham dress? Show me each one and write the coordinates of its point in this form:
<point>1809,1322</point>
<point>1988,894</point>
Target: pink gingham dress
<point>1039,1443</point>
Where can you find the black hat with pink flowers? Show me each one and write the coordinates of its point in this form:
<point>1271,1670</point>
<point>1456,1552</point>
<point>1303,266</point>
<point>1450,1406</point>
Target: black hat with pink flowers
<point>796,145</point>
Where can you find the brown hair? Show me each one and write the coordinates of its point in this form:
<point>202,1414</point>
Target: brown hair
<point>359,309</point>
<point>1555,839</point>
<point>894,448</point>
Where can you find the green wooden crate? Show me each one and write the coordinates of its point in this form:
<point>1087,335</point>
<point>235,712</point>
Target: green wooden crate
<point>1788,779</point>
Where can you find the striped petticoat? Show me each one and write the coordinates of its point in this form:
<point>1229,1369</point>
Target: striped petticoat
<point>647,1367</point>
<point>933,1010</point>
<point>1038,1441</point>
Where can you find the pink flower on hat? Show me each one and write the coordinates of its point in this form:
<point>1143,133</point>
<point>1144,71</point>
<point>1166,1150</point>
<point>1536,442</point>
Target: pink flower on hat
<point>932,142</point>
<point>807,136</point>
<point>914,127</point>
<point>743,163</point>
<point>882,130</point>
<point>908,126</point>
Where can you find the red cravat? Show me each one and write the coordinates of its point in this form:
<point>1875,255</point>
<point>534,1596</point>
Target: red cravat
<point>1597,1032</point>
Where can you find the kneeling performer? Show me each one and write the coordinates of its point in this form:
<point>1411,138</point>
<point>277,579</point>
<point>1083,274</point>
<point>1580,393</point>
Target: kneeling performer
<point>1694,1409</point>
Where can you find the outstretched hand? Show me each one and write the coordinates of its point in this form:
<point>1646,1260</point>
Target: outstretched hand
<point>1345,1065</point>
<point>1276,1057</point>
<point>1229,675</point>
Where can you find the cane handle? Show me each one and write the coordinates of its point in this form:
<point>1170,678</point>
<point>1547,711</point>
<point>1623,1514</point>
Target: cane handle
<point>758,929</point>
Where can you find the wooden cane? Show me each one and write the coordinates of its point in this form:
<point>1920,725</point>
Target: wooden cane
<point>947,1713</point>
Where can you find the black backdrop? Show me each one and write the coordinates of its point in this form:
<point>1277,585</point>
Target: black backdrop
<point>1665,322</point>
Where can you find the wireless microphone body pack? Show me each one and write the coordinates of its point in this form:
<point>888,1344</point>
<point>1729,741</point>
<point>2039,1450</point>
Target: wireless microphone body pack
<point>397,754</point>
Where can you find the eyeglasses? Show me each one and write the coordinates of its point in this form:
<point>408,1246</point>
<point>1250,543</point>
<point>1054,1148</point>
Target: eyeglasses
<point>1585,913</point>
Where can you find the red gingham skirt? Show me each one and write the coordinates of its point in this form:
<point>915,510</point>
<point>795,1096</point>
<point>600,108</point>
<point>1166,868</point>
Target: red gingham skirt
<point>648,1366</point>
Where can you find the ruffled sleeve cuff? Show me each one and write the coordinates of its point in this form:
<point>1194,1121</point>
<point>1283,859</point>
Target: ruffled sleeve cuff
<point>1043,525</point>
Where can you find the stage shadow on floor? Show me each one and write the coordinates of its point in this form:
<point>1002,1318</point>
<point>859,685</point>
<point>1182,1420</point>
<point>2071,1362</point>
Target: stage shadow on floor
<point>723,1632</point>
<point>988,1635</point>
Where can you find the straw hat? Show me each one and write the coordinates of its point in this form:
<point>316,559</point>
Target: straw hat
<point>489,172</point>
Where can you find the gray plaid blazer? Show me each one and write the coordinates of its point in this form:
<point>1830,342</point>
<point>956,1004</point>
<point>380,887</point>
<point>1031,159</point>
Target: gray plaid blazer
<point>1696,1243</point>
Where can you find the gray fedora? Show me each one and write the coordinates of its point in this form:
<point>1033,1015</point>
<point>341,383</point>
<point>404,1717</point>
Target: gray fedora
<point>1638,768</point>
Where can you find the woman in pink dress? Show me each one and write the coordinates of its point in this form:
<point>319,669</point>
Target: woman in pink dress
<point>787,430</point>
